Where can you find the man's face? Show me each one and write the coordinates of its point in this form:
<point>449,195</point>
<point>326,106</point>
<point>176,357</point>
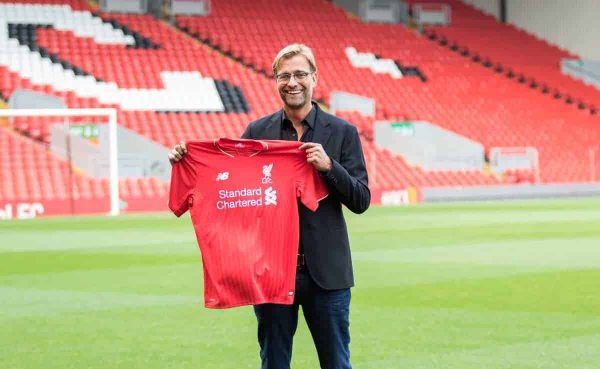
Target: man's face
<point>296,82</point>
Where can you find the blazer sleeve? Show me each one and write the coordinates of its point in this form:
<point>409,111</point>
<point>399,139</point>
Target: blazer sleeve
<point>348,177</point>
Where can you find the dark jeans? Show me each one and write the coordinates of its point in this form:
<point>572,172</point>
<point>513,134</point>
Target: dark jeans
<point>326,314</point>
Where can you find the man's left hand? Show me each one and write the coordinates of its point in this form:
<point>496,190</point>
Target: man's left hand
<point>316,155</point>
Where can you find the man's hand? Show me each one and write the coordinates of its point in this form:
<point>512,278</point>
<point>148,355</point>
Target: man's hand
<point>177,152</point>
<point>316,155</point>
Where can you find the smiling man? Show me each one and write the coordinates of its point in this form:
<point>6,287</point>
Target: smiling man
<point>324,270</point>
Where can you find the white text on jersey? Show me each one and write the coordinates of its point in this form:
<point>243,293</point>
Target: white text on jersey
<point>246,197</point>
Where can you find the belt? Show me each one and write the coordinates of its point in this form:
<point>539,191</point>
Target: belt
<point>300,262</point>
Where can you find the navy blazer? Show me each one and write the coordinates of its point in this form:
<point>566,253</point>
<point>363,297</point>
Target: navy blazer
<point>323,233</point>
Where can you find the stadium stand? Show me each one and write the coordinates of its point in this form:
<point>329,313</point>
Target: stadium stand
<point>231,50</point>
<point>483,105</point>
<point>514,53</point>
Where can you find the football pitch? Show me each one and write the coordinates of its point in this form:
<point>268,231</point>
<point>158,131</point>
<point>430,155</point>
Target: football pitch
<point>452,286</point>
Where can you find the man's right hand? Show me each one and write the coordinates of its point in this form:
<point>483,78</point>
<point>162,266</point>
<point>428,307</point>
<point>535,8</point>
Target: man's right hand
<point>177,152</point>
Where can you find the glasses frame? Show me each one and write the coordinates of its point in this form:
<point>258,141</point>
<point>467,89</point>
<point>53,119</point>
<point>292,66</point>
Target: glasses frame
<point>299,76</point>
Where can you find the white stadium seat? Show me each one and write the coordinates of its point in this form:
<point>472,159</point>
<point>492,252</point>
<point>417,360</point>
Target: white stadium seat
<point>187,91</point>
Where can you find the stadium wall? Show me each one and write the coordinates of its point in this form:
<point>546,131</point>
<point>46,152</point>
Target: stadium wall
<point>491,7</point>
<point>572,25</point>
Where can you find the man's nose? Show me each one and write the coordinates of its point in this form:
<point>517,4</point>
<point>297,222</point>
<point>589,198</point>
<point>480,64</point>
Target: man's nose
<point>292,81</point>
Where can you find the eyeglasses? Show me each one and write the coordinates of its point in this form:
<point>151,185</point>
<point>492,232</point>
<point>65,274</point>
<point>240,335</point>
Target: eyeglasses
<point>299,76</point>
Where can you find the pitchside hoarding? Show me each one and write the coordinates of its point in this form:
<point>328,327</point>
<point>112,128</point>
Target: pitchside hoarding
<point>29,209</point>
<point>397,197</point>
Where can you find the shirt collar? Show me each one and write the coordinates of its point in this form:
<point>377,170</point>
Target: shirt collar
<point>310,118</point>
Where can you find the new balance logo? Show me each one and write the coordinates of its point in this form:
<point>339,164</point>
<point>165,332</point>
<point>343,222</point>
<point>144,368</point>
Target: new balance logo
<point>267,173</point>
<point>270,196</point>
<point>223,176</point>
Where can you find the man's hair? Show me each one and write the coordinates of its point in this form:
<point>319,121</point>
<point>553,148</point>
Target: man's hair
<point>292,50</point>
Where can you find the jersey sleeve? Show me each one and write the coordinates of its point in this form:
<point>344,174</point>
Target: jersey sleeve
<point>183,181</point>
<point>310,187</point>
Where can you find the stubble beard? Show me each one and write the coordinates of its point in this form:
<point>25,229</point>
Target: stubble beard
<point>295,102</point>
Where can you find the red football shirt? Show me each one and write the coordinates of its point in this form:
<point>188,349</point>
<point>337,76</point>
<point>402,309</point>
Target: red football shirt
<point>243,199</point>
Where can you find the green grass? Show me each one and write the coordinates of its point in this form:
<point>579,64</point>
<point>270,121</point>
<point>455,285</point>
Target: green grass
<point>453,286</point>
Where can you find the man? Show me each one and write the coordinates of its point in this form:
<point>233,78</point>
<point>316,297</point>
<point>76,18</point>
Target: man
<point>324,273</point>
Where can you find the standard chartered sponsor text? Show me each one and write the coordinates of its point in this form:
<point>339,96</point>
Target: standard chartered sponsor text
<point>243,198</point>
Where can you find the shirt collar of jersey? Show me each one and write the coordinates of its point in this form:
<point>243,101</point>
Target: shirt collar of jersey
<point>310,118</point>
<point>240,147</point>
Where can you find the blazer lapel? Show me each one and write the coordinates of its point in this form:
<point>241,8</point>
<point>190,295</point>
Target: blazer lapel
<point>273,128</point>
<point>322,129</point>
